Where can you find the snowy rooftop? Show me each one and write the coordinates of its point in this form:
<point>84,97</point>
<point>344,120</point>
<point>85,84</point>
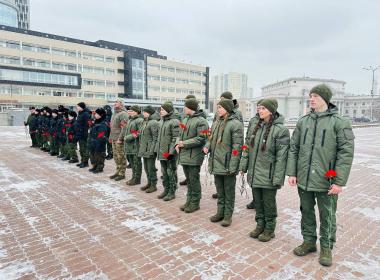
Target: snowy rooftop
<point>61,222</point>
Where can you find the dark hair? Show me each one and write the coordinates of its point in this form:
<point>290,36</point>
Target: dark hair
<point>266,134</point>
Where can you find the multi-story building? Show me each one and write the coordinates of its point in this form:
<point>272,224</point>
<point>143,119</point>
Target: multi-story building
<point>9,13</point>
<point>293,95</point>
<point>233,82</point>
<point>44,69</point>
<point>359,106</point>
<point>23,14</point>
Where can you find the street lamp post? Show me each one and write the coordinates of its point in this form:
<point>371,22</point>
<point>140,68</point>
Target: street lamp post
<point>373,69</point>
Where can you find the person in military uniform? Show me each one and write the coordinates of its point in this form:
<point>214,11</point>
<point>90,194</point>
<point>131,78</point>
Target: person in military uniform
<point>131,134</point>
<point>61,131</point>
<point>81,133</point>
<point>319,163</point>
<point>108,110</point>
<point>97,141</point>
<point>224,146</point>
<point>118,121</point>
<point>71,144</point>
<point>31,123</point>
<point>264,157</point>
<point>166,154</point>
<point>148,140</point>
<point>53,132</point>
<point>45,129</point>
<point>192,138</point>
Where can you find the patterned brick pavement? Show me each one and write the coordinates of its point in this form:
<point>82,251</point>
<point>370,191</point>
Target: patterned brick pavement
<point>61,222</point>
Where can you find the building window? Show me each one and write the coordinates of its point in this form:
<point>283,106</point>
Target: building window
<point>346,111</point>
<point>363,112</point>
<point>14,60</point>
<point>10,44</point>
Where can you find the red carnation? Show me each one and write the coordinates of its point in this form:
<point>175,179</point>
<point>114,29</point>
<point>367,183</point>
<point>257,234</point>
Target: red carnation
<point>71,137</point>
<point>331,173</point>
<point>235,152</point>
<point>182,126</point>
<point>89,122</point>
<point>63,131</point>
<point>244,147</point>
<point>101,134</point>
<point>206,132</point>
<point>135,132</point>
<point>166,155</point>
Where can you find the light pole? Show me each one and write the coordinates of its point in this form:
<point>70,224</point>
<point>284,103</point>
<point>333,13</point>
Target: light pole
<point>373,69</point>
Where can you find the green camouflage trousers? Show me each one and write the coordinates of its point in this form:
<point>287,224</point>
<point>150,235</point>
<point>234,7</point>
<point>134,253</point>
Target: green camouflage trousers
<point>119,157</point>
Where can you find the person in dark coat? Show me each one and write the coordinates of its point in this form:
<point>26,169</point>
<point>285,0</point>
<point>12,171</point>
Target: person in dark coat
<point>71,144</point>
<point>31,123</point>
<point>61,131</point>
<point>81,132</point>
<point>97,141</point>
<point>54,147</point>
<point>108,123</point>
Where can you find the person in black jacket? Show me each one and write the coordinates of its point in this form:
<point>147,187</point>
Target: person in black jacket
<point>45,129</point>
<point>61,131</point>
<point>97,141</point>
<point>54,147</point>
<point>71,144</point>
<point>39,127</point>
<point>108,123</point>
<point>81,132</point>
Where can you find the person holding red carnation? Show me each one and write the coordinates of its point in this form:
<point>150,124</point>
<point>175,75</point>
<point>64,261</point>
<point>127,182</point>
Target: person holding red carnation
<point>265,161</point>
<point>319,163</point>
<point>166,153</point>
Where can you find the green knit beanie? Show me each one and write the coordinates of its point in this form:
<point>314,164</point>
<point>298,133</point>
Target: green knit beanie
<point>192,104</point>
<point>168,107</point>
<point>259,102</point>
<point>270,104</point>
<point>323,91</point>
<point>190,96</point>
<point>227,104</point>
<point>135,108</point>
<point>227,95</point>
<point>150,110</point>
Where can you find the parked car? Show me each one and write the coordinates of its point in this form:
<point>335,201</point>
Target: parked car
<point>362,119</point>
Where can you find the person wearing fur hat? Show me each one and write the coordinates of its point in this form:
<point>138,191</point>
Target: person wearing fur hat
<point>71,144</point>
<point>108,122</point>
<point>319,163</point>
<point>81,133</point>
<point>131,134</point>
<point>45,129</point>
<point>118,121</point>
<point>97,141</point>
<point>61,131</point>
<point>148,140</point>
<point>53,131</point>
<point>264,158</point>
<point>189,145</point>
<point>225,145</point>
<point>166,154</point>
<point>30,122</point>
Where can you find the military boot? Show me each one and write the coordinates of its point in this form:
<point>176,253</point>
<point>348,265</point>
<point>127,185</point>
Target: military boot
<point>114,176</point>
<point>169,196</point>
<point>251,205</point>
<point>119,177</point>
<point>192,207</point>
<point>304,249</point>
<point>266,235</point>
<point>163,194</point>
<point>325,257</point>
<point>256,232</point>
<point>214,195</point>
<point>151,189</point>
<point>182,207</point>
<point>133,182</point>
<point>226,221</point>
<point>217,217</point>
<point>183,183</point>
<point>144,188</point>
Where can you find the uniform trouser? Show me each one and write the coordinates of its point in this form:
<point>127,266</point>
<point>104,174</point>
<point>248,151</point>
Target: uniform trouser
<point>326,206</point>
<point>266,208</point>
<point>135,161</point>
<point>45,142</point>
<point>39,139</point>
<point>109,148</point>
<point>72,150</point>
<point>225,188</point>
<point>97,160</point>
<point>33,136</point>
<point>194,191</point>
<point>83,151</point>
<point>119,157</point>
<point>169,170</point>
<point>54,148</point>
<point>62,149</point>
<point>129,159</point>
<point>150,170</point>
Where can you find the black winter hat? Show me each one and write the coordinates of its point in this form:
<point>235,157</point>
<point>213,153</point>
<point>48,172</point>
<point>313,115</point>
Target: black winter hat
<point>150,110</point>
<point>135,108</point>
<point>32,107</point>
<point>37,111</point>
<point>54,111</point>
<point>101,112</point>
<point>323,91</point>
<point>271,104</point>
<point>227,104</point>
<point>73,114</point>
<point>168,107</point>
<point>192,104</point>
<point>227,95</point>
<point>82,105</point>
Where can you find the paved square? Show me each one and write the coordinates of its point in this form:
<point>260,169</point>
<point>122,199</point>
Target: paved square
<point>61,222</point>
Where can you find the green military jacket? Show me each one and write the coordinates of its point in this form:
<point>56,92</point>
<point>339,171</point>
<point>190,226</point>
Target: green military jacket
<point>167,136</point>
<point>131,144</point>
<point>148,137</point>
<point>266,169</point>
<point>194,133</point>
<point>119,118</point>
<point>321,142</point>
<point>224,145</point>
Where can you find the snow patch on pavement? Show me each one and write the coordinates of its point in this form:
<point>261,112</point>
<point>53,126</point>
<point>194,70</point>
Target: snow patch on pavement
<point>289,272</point>
<point>205,236</point>
<point>368,267</point>
<point>370,213</point>
<point>24,186</point>
<point>292,223</point>
<point>16,270</point>
<point>90,276</point>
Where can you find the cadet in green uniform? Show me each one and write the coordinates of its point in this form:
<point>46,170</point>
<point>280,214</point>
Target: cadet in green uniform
<point>148,140</point>
<point>31,123</point>
<point>192,138</point>
<point>71,144</point>
<point>166,154</point>
<point>131,134</point>
<point>265,159</point>
<point>322,141</point>
<point>224,146</point>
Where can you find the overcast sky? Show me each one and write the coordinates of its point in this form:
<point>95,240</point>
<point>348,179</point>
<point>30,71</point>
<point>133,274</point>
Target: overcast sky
<point>269,40</point>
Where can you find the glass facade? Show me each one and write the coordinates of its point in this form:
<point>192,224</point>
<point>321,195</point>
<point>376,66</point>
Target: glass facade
<point>8,15</point>
<point>25,76</point>
<point>138,78</point>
